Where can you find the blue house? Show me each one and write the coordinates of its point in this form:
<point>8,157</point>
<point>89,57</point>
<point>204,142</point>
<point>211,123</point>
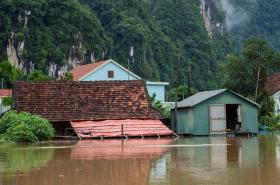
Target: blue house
<point>111,70</point>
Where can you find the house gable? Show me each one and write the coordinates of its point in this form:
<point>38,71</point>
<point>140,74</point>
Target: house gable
<point>110,70</point>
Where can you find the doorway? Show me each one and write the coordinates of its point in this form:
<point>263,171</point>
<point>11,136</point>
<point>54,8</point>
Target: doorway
<point>233,117</point>
<point>225,118</point>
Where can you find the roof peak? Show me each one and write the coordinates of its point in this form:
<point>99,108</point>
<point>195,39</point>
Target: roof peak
<point>204,95</point>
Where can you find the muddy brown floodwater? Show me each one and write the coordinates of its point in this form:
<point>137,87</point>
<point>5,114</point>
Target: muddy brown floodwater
<point>191,161</point>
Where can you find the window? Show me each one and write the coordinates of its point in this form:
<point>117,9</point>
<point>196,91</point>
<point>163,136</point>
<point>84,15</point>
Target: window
<point>110,74</point>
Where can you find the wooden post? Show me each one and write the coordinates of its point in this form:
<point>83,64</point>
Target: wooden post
<point>122,129</point>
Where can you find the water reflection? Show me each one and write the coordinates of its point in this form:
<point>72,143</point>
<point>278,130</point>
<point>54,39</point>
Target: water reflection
<point>201,160</point>
<point>21,159</point>
<point>234,159</point>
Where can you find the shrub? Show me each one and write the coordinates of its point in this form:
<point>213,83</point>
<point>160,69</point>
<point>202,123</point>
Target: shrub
<point>165,112</point>
<point>7,101</point>
<point>271,121</point>
<point>20,133</point>
<point>24,127</point>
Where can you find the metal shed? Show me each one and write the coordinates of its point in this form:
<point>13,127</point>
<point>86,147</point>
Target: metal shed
<point>215,112</point>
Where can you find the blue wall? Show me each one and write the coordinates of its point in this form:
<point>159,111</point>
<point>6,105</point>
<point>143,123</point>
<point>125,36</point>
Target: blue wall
<point>158,90</point>
<point>102,73</point>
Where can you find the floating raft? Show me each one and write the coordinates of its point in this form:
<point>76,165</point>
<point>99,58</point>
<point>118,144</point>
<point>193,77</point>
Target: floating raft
<point>120,128</point>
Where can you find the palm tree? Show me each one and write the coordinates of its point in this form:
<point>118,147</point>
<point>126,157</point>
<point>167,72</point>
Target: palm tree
<point>7,71</point>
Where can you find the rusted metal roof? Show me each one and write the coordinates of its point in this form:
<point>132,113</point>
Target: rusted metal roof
<point>79,101</point>
<point>116,128</point>
<point>273,84</point>
<point>5,92</point>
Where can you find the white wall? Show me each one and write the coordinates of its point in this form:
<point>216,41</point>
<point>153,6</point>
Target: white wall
<point>276,98</point>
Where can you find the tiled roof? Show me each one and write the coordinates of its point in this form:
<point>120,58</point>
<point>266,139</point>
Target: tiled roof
<point>273,84</point>
<point>83,70</point>
<point>76,101</point>
<point>5,92</point>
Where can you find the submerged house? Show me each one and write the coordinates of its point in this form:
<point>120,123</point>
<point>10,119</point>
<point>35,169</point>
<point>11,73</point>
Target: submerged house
<point>110,70</point>
<point>215,112</point>
<point>92,109</point>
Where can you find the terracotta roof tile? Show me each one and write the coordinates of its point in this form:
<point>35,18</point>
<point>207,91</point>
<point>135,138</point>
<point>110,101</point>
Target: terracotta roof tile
<point>6,92</point>
<point>273,84</point>
<point>82,70</point>
<point>74,101</point>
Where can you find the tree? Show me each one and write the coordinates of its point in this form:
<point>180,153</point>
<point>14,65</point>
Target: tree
<point>183,93</point>
<point>9,74</point>
<point>246,73</point>
<point>38,76</point>
<point>7,71</point>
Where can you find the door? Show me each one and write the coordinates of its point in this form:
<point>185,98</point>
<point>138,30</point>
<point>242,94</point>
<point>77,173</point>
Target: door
<point>217,119</point>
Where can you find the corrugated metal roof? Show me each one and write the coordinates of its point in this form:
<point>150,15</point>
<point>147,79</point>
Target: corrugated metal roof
<point>199,97</point>
<point>202,96</point>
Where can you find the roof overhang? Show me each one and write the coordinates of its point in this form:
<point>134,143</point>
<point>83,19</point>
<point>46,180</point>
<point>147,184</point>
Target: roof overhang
<point>157,83</point>
<point>221,91</point>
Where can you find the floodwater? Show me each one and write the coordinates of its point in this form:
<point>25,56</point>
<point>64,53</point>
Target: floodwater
<point>165,161</point>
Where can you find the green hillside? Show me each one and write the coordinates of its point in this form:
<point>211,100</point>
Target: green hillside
<point>60,32</point>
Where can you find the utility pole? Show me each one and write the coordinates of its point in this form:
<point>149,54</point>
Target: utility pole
<point>189,78</point>
<point>2,86</point>
<point>176,92</point>
<point>258,77</point>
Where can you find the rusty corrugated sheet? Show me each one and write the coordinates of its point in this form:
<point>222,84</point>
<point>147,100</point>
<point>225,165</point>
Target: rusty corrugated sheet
<point>116,128</point>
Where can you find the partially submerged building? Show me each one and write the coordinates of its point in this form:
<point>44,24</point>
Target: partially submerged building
<point>92,109</point>
<point>109,70</point>
<point>215,112</point>
<point>4,93</point>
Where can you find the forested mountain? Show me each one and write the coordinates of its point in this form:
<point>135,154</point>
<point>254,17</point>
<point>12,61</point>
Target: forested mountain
<point>56,35</point>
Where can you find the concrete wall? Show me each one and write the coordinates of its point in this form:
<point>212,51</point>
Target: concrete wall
<point>276,98</point>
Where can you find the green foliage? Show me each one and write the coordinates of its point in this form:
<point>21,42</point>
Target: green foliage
<point>38,76</point>
<point>24,127</point>
<point>54,31</point>
<point>67,77</point>
<point>183,93</point>
<point>165,112</point>
<point>271,121</point>
<point>159,31</point>
<point>7,101</point>
<point>9,73</point>
<point>242,71</point>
